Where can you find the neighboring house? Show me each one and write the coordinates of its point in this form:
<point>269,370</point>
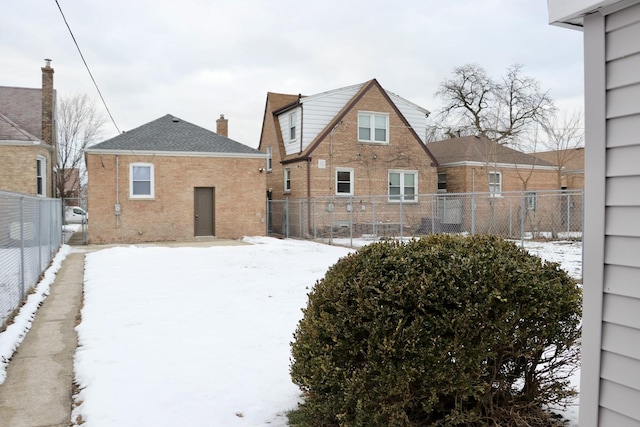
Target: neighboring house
<point>610,366</point>
<point>474,164</point>
<point>360,140</point>
<point>172,180</point>
<point>71,186</point>
<point>570,163</point>
<point>28,137</point>
<point>510,189</point>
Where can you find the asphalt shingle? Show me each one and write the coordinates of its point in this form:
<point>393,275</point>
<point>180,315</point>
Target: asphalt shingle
<point>172,134</point>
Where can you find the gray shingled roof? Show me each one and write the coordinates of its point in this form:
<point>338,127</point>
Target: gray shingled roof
<point>171,134</point>
<point>477,149</point>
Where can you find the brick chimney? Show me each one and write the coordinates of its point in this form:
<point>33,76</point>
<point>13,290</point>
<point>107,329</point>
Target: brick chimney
<point>222,126</point>
<point>47,103</point>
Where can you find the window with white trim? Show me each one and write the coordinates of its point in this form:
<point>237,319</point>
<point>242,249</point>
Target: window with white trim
<point>293,117</point>
<point>495,183</point>
<point>269,159</point>
<point>344,182</point>
<point>403,185</point>
<point>41,176</point>
<point>287,180</point>
<point>531,200</point>
<point>373,127</point>
<point>141,181</point>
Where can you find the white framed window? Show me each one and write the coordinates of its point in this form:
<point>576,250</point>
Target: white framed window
<point>269,159</point>
<point>373,127</point>
<point>41,176</point>
<point>495,183</point>
<point>403,186</point>
<point>531,200</point>
<point>344,182</point>
<point>287,180</point>
<point>293,117</point>
<point>141,181</point>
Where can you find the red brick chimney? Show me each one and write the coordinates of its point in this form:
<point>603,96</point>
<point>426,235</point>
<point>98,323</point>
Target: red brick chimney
<point>222,126</point>
<point>47,103</point>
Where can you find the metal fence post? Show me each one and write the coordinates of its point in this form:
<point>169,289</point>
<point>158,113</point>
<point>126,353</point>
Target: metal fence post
<point>568,214</point>
<point>522,212</point>
<point>315,229</point>
<point>22,266</point>
<point>473,213</point>
<point>351,221</point>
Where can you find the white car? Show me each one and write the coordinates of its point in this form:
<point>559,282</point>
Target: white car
<point>75,215</point>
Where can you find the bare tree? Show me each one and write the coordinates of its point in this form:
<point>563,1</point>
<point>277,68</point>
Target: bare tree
<point>78,126</point>
<point>476,104</point>
<point>564,135</point>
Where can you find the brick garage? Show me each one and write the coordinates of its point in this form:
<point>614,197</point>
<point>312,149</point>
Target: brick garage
<point>180,160</point>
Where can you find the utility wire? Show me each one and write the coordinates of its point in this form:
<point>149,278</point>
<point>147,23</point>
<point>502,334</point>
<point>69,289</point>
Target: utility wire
<point>87,67</point>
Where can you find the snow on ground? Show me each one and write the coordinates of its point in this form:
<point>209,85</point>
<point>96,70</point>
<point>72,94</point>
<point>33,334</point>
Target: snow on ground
<point>194,336</point>
<point>199,336</point>
<point>11,338</point>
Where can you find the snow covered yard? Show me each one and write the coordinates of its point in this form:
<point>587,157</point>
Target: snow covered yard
<point>193,336</point>
<point>199,336</point>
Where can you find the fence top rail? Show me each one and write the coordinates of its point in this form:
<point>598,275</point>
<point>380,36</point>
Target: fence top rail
<point>503,194</point>
<point>12,195</point>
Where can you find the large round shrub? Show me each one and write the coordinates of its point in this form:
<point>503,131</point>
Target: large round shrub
<point>445,330</point>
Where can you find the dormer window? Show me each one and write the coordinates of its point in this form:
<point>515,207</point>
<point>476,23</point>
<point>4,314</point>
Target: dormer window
<point>373,127</point>
<point>292,126</point>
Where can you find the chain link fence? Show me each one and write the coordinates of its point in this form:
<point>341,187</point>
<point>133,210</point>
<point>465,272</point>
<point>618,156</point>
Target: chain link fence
<point>30,235</point>
<point>553,215</point>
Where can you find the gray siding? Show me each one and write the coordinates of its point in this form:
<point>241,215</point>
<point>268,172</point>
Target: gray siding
<point>614,366</point>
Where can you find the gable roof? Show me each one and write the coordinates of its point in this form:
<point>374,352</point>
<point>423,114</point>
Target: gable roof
<point>355,94</point>
<point>475,149</point>
<point>23,107</point>
<point>170,134</point>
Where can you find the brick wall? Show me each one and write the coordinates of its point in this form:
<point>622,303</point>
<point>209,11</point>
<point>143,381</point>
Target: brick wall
<point>239,198</point>
<point>18,171</point>
<point>460,179</point>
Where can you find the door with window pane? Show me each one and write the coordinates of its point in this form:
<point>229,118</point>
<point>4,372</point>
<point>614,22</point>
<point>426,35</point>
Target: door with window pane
<point>203,212</point>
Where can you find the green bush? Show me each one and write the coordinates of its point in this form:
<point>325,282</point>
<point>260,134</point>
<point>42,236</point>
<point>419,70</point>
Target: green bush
<point>445,330</point>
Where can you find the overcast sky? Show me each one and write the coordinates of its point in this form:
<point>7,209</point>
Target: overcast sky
<point>197,59</point>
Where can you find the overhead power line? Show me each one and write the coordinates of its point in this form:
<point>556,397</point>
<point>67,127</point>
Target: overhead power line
<point>87,67</point>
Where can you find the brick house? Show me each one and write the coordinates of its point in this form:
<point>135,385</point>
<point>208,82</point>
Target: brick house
<point>570,163</point>
<point>172,180</point>
<point>345,142</point>
<point>508,186</point>
<point>28,137</point>
<point>474,164</point>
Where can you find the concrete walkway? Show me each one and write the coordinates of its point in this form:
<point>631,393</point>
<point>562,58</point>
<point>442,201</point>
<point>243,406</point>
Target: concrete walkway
<point>38,389</point>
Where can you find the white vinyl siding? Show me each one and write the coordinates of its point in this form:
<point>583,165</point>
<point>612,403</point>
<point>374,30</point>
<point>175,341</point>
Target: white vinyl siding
<point>288,119</point>
<point>293,124</point>
<point>610,383</point>
<point>141,181</point>
<point>415,115</point>
<point>319,110</point>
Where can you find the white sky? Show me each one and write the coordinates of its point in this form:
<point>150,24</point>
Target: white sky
<point>198,59</point>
